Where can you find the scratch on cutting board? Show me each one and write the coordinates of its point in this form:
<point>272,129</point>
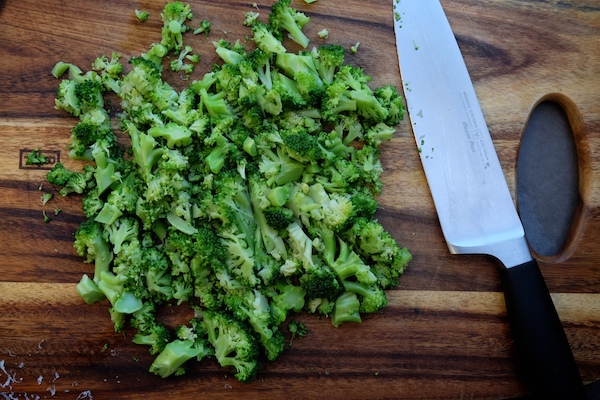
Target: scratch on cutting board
<point>438,268</point>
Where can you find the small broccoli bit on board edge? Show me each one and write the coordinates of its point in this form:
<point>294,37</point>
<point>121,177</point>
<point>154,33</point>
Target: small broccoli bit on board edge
<point>247,196</point>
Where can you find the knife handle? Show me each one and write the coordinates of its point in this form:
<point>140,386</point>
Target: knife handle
<point>539,336</point>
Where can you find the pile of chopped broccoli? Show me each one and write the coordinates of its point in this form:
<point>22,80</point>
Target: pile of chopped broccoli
<point>249,195</point>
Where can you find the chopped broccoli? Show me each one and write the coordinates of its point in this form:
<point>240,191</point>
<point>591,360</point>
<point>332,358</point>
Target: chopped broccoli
<point>90,244</point>
<point>247,195</point>
<point>204,27</point>
<point>180,65</point>
<point>156,337</point>
<point>278,218</point>
<point>174,16</point>
<point>323,33</point>
<point>283,17</point>
<point>35,157</point>
<point>142,16</point>
<point>330,58</point>
<point>265,39</point>
<point>235,346</point>
<point>171,359</point>
<point>346,309</point>
<point>46,197</point>
<point>297,330</point>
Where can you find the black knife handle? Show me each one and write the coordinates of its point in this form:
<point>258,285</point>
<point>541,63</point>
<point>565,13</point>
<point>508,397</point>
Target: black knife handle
<point>539,336</point>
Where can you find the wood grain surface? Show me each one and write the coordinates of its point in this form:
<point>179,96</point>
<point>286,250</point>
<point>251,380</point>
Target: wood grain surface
<point>444,334</point>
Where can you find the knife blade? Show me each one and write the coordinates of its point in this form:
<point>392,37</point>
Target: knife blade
<point>474,205</point>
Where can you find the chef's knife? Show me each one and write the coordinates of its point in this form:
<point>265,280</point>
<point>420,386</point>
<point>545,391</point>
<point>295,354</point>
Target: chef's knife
<point>471,197</point>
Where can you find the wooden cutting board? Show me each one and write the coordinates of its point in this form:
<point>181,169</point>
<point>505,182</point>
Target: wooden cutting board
<point>444,333</point>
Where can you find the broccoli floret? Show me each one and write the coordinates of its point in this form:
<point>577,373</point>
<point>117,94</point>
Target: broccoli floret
<point>155,335</point>
<point>369,164</point>
<point>371,240</point>
<point>59,175</point>
<point>368,105</point>
<point>287,297</point>
<point>239,258</point>
<point>186,62</point>
<point>341,257</point>
<point>300,244</point>
<point>330,58</point>
<point>122,230</point>
<point>81,94</point>
<point>146,151</point>
<point>349,128</point>
<point>364,203</point>
<point>348,264</point>
<point>45,198</point>
<point>297,330</point>
<point>230,56</point>
<point>235,345</point>
<point>278,217</point>
<point>92,204</point>
<point>337,100</point>
<point>182,290</point>
<point>109,164</point>
<point>85,134</point>
<point>272,241</point>
<point>89,93</point>
<point>204,27</point>
<point>174,16</point>
<point>90,244</point>
<point>290,95</point>
<point>110,71</point>
<point>320,282</point>
<point>142,16</point>
<point>217,156</point>
<point>336,209</point>
<point>303,70</point>
<point>66,99</point>
<point>371,298</point>
<point>253,307</point>
<point>122,299</point>
<point>265,39</point>
<point>125,195</point>
<point>283,17</point>
<point>389,97</point>
<point>215,104</point>
<point>303,147</point>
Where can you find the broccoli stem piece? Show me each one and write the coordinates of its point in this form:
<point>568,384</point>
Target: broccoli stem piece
<point>175,354</point>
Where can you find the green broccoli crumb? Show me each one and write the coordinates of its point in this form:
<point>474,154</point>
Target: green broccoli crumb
<point>142,16</point>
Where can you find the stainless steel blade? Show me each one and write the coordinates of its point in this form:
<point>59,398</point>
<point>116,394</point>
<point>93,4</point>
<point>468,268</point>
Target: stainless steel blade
<point>474,205</point>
